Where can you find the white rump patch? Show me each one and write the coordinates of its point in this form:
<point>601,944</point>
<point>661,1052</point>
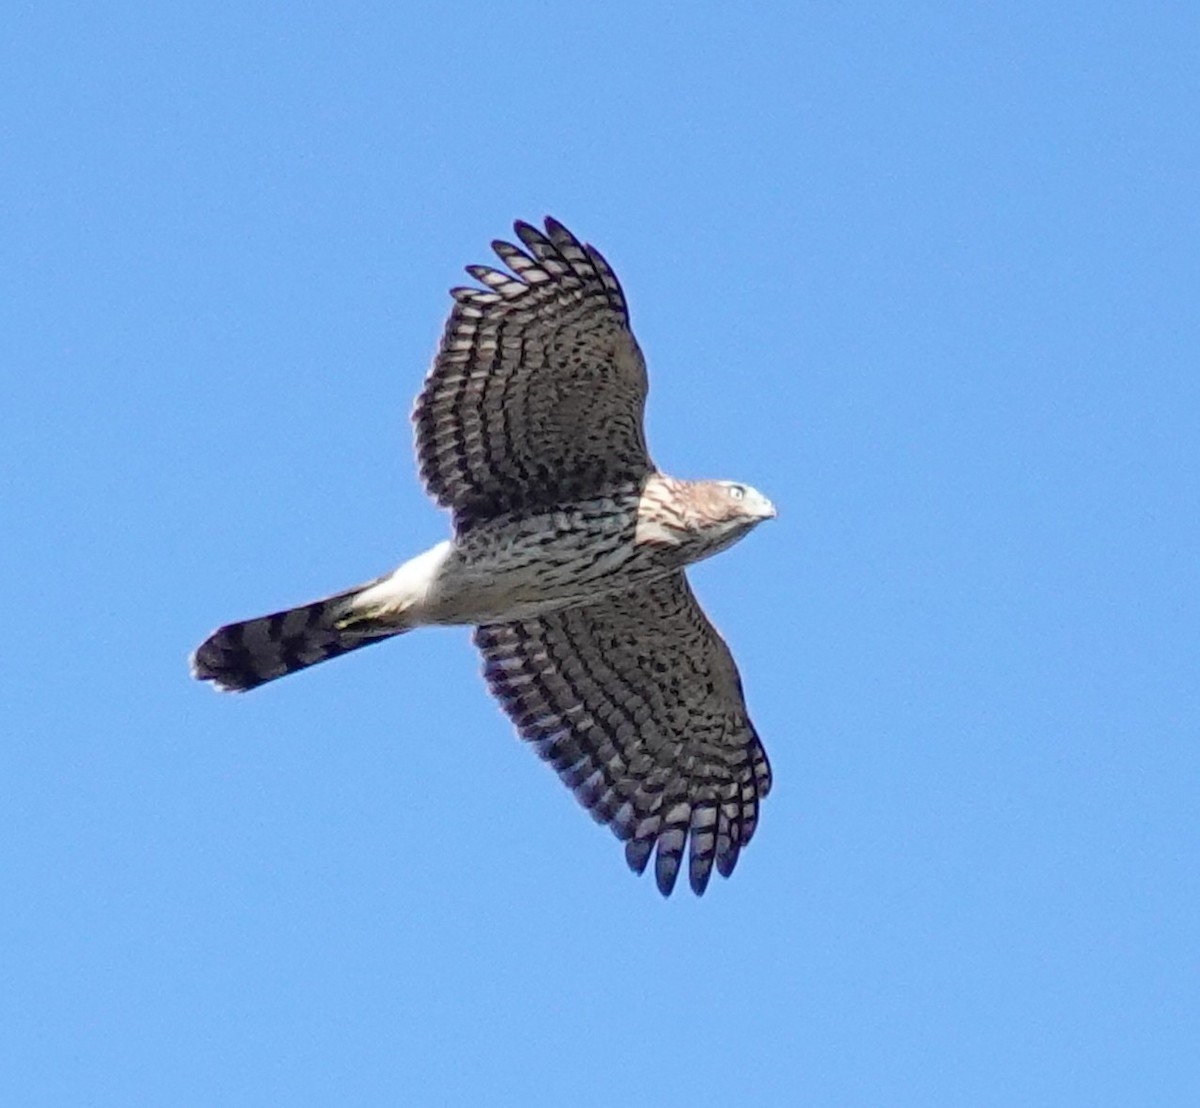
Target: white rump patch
<point>404,592</point>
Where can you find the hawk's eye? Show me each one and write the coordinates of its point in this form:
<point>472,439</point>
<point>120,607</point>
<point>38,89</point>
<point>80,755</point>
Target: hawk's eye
<point>737,492</point>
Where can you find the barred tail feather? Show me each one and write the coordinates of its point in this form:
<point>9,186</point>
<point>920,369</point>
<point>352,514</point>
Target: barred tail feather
<point>241,656</point>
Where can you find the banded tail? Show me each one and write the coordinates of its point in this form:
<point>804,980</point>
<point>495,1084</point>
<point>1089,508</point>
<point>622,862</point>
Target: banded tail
<point>241,656</point>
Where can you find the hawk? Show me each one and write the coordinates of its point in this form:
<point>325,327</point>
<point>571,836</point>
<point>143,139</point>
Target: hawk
<point>567,557</point>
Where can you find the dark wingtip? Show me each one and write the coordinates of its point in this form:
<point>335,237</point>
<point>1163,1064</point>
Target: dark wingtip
<point>698,875</point>
<point>666,871</point>
<point>637,854</point>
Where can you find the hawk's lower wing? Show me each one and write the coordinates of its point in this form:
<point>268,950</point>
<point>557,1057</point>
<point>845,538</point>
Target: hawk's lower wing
<point>636,702</point>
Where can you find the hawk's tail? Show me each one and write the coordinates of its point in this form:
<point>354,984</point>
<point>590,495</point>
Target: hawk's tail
<point>241,656</point>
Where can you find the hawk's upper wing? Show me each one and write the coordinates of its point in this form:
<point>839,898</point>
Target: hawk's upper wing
<point>636,702</point>
<point>537,392</point>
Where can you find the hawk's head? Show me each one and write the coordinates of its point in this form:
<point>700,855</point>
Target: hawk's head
<point>721,513</point>
<point>732,504</point>
<point>699,518</point>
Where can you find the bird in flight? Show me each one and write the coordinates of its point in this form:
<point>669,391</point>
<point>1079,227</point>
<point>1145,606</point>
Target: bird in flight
<point>567,558</point>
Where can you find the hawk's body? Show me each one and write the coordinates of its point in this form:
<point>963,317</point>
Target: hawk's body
<point>567,558</point>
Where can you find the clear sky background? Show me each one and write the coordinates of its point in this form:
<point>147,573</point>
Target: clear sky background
<point>925,273</point>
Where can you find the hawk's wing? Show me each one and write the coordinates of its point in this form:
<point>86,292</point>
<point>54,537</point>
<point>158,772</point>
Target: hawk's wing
<point>537,392</point>
<point>636,702</point>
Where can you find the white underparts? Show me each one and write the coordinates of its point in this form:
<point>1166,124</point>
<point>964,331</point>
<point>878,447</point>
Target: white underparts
<point>402,594</point>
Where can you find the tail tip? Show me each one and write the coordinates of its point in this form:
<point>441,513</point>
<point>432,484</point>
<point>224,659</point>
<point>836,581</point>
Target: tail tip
<point>208,662</point>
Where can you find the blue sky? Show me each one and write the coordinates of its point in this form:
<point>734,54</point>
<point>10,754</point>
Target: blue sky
<point>926,274</point>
